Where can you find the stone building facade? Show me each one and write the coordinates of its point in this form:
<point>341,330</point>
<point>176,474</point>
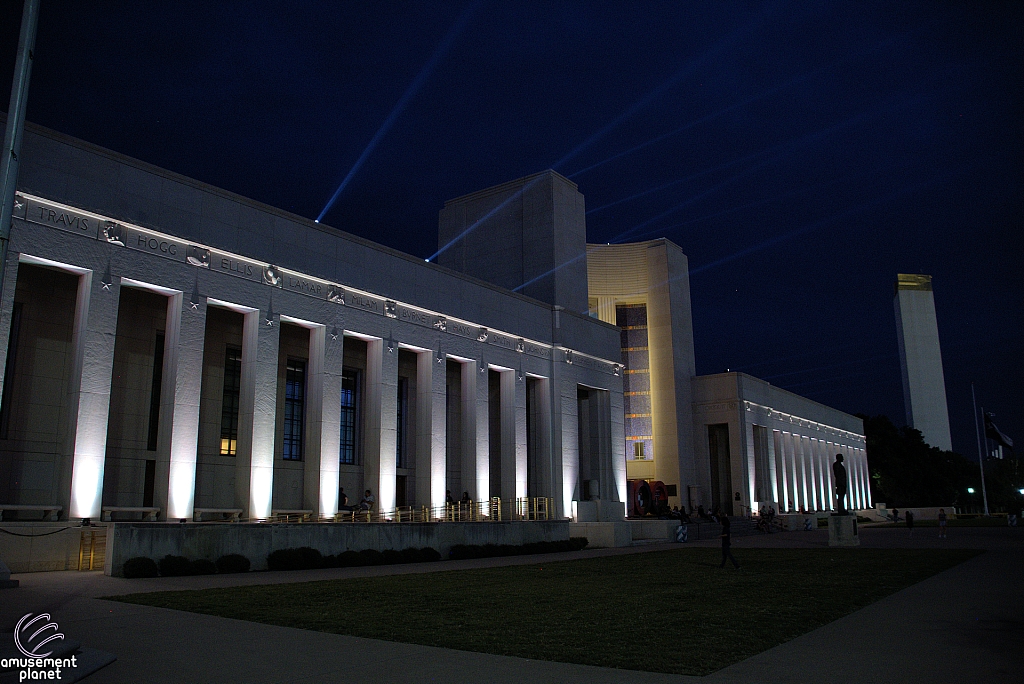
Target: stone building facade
<point>170,344</point>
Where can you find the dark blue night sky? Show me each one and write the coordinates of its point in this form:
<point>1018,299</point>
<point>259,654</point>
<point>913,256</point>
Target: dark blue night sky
<point>802,154</point>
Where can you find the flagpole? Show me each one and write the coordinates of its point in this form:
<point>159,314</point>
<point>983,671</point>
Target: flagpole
<point>9,162</point>
<point>981,456</point>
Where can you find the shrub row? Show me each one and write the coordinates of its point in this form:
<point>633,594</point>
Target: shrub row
<point>306,558</point>
<point>177,566</point>
<point>460,551</point>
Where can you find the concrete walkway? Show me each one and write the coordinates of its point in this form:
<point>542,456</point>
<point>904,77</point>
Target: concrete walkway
<point>963,625</point>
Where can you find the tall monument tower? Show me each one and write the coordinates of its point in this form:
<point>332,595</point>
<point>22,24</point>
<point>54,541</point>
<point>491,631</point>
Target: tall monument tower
<point>924,388</point>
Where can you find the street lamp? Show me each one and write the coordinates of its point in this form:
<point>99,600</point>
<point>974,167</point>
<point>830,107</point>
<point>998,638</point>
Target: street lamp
<point>970,490</point>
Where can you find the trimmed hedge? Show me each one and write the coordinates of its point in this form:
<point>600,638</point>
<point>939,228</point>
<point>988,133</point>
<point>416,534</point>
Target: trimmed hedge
<point>203,567</point>
<point>233,562</point>
<point>303,558</point>
<point>140,567</point>
<point>175,566</point>
<point>463,551</point>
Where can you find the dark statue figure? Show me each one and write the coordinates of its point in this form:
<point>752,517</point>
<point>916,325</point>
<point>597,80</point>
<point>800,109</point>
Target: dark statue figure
<point>839,473</point>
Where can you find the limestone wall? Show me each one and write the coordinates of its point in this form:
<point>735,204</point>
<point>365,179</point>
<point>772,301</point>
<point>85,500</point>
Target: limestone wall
<point>256,541</point>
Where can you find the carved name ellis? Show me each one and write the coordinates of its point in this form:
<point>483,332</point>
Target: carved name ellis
<point>238,268</point>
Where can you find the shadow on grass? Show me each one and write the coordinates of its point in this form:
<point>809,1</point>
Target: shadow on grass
<point>670,611</point>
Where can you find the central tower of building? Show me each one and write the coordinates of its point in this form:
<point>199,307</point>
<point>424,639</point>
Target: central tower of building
<point>924,387</point>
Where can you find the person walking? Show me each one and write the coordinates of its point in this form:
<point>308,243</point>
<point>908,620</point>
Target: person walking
<point>910,522</point>
<point>727,543</point>
<point>942,523</point>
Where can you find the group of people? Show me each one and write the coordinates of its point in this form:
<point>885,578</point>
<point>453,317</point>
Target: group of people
<point>675,513</point>
<point>765,518</point>
<point>365,504</point>
<point>450,500</point>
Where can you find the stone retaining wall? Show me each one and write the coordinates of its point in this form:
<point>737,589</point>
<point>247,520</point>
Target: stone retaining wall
<point>255,541</point>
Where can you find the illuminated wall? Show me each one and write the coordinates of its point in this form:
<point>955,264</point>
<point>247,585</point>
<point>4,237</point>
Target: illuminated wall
<point>644,288</point>
<point>781,445</point>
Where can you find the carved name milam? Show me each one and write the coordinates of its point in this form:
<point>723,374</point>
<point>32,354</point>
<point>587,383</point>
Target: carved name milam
<point>361,302</point>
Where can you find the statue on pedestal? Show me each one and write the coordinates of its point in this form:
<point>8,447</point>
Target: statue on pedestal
<point>839,473</point>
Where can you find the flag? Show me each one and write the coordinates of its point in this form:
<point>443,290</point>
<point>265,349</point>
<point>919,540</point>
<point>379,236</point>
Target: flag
<point>992,432</point>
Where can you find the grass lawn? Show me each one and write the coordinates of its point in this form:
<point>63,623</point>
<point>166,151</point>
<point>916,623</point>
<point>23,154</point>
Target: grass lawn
<point>670,611</point>
<point>958,522</point>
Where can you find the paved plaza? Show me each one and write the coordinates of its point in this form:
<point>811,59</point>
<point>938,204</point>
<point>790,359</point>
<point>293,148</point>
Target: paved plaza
<point>963,625</point>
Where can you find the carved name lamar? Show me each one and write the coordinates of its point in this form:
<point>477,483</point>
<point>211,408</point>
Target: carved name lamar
<point>310,287</point>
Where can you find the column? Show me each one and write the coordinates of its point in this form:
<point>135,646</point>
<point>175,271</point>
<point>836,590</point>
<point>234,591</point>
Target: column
<point>509,442</point>
<point>569,447</point>
<point>257,414</point>
<point>180,391</point>
<point>747,440</point>
<point>791,451</point>
<point>92,342</point>
<point>519,398</point>
<point>861,478</point>
<point>430,429</point>
<point>799,490</point>
<point>812,475</point>
<point>482,444</point>
<point>471,373</point>
<point>781,470</point>
<point>867,476</point>
<point>829,458</point>
<point>323,421</point>
<point>381,423</point>
<point>543,441</point>
<point>773,470</point>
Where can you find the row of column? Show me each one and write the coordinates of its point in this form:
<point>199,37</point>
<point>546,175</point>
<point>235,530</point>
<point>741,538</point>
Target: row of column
<point>93,341</point>
<point>803,477</point>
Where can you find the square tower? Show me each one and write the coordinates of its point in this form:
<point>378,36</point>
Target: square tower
<point>528,235</point>
<point>924,386</point>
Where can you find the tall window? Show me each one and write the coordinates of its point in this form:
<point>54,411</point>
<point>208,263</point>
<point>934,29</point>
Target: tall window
<point>402,443</point>
<point>349,409</point>
<point>229,405</point>
<point>154,393</point>
<point>294,408</point>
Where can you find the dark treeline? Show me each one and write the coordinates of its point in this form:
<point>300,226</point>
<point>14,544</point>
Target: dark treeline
<point>905,471</point>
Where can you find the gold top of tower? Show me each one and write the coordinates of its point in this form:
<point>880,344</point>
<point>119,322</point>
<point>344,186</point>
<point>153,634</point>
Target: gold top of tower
<point>913,281</point>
